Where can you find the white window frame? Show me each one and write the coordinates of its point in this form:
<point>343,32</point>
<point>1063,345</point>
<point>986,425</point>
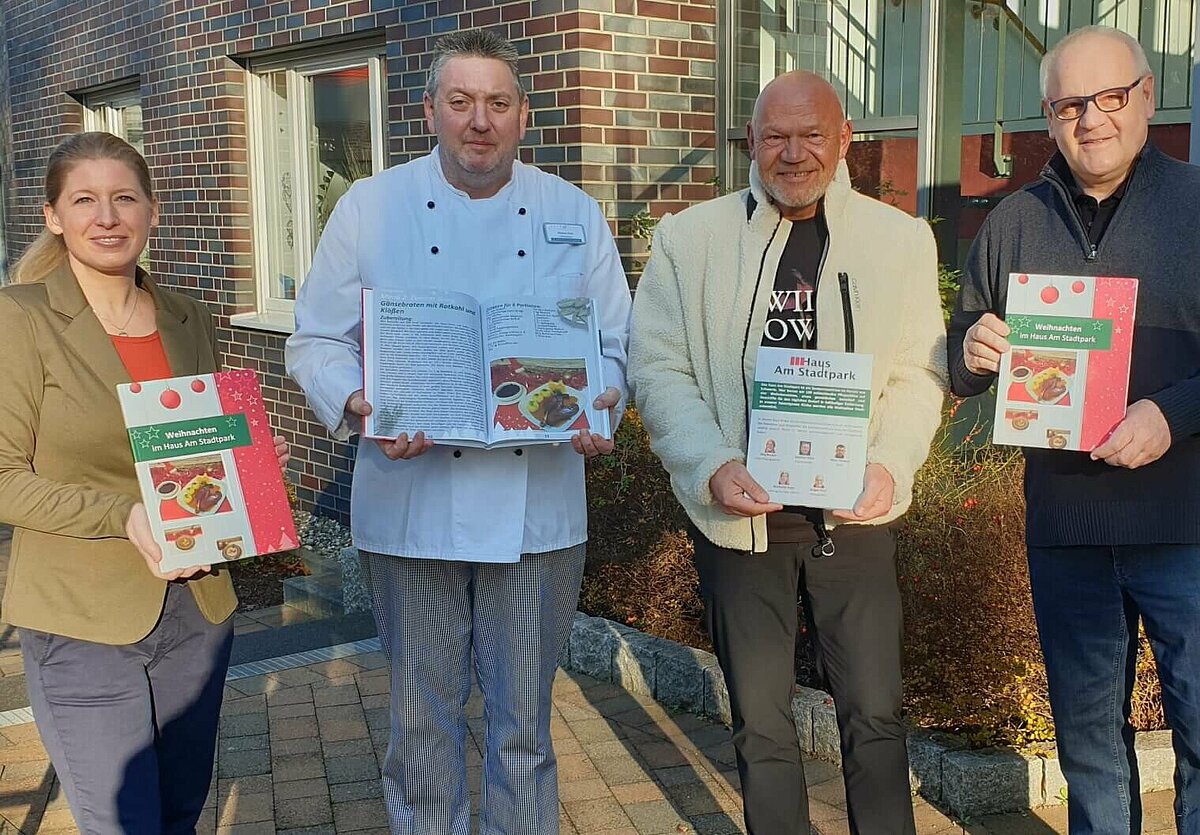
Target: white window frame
<point>732,136</point>
<point>102,109</point>
<point>275,313</point>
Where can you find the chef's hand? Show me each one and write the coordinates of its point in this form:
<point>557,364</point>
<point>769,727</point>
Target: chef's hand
<point>281,450</point>
<point>875,500</point>
<point>1140,439</point>
<point>589,445</point>
<point>402,447</point>
<point>984,342</point>
<point>137,529</point>
<point>738,494</point>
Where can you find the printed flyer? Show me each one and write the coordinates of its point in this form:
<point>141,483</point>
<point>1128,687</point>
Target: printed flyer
<point>1065,383</point>
<point>210,480</point>
<point>809,415</point>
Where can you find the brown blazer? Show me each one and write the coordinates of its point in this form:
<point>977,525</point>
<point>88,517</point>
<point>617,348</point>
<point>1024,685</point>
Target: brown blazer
<point>67,481</point>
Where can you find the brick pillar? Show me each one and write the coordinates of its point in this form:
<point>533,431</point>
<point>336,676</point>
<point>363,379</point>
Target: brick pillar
<point>622,93</point>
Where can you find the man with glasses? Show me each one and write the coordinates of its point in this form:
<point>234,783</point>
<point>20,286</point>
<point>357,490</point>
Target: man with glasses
<point>1114,534</point>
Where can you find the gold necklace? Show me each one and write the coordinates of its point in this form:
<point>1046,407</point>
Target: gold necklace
<point>137,297</point>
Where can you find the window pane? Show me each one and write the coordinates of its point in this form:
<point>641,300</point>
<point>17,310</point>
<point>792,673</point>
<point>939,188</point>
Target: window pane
<point>131,126</point>
<point>339,138</point>
<point>279,187</point>
<point>868,49</point>
<point>739,162</point>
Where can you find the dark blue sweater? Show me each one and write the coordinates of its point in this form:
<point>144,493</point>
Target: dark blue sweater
<point>1154,237</point>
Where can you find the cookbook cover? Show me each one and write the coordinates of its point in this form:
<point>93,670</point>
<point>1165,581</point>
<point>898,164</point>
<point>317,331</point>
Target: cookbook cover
<point>210,480</point>
<point>1065,383</point>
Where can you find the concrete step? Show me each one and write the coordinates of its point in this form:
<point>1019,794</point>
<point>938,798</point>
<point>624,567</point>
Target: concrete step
<point>319,594</point>
<point>318,564</point>
<point>300,637</point>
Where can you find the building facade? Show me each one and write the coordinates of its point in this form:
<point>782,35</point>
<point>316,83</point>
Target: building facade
<point>256,115</point>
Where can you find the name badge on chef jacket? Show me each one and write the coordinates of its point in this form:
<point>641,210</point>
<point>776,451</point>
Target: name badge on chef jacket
<point>564,233</point>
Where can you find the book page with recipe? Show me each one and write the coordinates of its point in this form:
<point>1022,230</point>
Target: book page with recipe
<point>422,366</point>
<point>544,369</point>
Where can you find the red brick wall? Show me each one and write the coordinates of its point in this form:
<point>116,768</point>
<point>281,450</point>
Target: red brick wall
<point>624,105</point>
<point>622,96</point>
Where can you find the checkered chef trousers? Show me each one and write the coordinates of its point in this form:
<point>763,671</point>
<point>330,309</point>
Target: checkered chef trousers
<point>512,619</point>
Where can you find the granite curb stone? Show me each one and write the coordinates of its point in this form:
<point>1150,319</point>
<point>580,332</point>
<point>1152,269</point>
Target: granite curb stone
<point>804,701</point>
<point>635,664</point>
<point>678,680</point>
<point>926,750</point>
<point>593,645</point>
<point>355,597</point>
<point>1156,760</point>
<point>990,781</point>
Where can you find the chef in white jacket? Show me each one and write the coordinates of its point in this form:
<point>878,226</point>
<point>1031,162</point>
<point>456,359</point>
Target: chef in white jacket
<point>469,553</point>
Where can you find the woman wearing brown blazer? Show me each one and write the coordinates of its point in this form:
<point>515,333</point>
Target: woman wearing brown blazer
<point>125,666</point>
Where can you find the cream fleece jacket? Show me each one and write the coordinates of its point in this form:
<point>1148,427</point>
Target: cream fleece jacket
<point>698,317</point>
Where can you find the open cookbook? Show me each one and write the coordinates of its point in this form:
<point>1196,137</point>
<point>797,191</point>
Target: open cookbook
<point>1065,382</point>
<point>493,373</point>
<point>207,468</point>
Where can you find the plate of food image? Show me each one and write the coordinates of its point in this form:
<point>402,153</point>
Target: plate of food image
<point>1057,438</point>
<point>552,406</point>
<point>202,496</point>
<point>1048,386</point>
<point>184,539</point>
<point>231,549</point>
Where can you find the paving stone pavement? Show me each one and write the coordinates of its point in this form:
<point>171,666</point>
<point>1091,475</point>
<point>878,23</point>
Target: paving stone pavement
<point>300,749</point>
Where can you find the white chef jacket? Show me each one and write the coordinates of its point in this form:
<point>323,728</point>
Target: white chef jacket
<point>407,227</point>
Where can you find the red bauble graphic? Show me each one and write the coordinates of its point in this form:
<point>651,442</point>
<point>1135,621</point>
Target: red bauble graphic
<point>1078,287</point>
<point>170,399</point>
<point>1022,279</point>
<point>198,386</point>
<point>1050,294</point>
<point>136,388</point>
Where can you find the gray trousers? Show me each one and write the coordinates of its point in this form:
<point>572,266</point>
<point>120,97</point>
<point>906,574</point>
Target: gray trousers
<point>854,612</point>
<point>433,616</point>
<point>131,730</point>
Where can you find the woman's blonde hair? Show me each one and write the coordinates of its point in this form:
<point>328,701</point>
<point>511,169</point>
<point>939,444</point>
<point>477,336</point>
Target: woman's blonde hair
<point>48,252</point>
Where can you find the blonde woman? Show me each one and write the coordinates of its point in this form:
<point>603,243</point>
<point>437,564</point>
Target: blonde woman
<point>125,665</point>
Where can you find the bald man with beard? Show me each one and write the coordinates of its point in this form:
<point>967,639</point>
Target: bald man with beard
<point>798,260</point>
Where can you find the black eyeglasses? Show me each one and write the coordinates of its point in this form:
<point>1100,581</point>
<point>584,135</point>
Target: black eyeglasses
<point>1108,101</point>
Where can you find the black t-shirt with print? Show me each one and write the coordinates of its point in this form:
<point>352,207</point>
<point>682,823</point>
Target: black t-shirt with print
<point>792,314</point>
<point>792,323</point>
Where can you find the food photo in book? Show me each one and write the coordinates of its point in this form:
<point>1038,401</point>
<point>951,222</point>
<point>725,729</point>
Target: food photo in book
<point>546,394</point>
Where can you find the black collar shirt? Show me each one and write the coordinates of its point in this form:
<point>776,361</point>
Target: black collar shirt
<point>1095,215</point>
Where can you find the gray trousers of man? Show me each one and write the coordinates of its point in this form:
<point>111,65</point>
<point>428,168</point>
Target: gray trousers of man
<point>435,618</point>
<point>854,613</point>
<point>131,730</point>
